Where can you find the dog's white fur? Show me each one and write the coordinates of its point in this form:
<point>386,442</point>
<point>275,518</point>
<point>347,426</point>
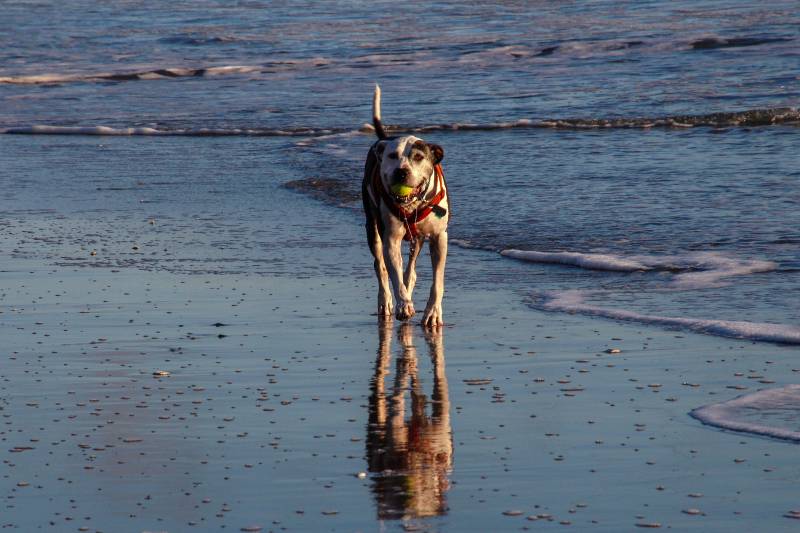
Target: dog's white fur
<point>386,236</point>
<point>376,105</point>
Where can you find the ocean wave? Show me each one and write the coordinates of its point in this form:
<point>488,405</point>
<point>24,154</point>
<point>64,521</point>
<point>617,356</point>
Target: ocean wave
<point>573,301</point>
<point>199,40</point>
<point>692,271</point>
<point>750,118</point>
<point>186,132</point>
<point>764,413</point>
<point>590,261</point>
<point>613,48</point>
<point>160,73</point>
<point>711,43</point>
<point>479,54</point>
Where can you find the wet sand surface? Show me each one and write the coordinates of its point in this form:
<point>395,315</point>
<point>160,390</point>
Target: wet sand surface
<point>284,405</point>
<point>137,395</point>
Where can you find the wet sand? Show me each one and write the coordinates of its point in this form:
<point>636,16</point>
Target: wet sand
<point>151,401</point>
<point>191,348</point>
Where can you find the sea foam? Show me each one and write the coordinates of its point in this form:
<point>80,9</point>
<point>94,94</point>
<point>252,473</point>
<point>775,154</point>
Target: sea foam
<point>771,413</point>
<point>691,271</point>
<point>43,129</point>
<point>749,118</point>
<point>573,301</point>
<point>589,261</point>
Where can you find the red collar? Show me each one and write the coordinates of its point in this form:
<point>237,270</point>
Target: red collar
<point>410,218</point>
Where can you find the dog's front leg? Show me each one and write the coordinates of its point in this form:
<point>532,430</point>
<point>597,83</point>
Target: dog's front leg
<point>393,239</point>
<point>433,310</point>
<point>410,277</point>
<point>385,304</point>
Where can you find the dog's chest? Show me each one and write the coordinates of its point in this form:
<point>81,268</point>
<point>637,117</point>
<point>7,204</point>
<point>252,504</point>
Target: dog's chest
<point>433,224</point>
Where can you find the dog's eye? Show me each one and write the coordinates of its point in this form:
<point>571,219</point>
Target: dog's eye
<point>393,155</point>
<point>418,157</point>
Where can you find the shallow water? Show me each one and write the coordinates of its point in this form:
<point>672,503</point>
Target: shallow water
<point>720,189</point>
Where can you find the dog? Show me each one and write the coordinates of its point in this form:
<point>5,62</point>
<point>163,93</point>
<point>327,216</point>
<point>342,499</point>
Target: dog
<point>405,198</point>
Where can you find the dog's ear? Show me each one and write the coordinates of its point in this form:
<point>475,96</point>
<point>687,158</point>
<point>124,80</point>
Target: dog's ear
<point>438,153</point>
<point>379,149</point>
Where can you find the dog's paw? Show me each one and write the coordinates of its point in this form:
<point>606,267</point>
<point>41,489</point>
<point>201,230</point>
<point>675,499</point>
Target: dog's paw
<point>386,308</point>
<point>405,310</point>
<point>433,317</point>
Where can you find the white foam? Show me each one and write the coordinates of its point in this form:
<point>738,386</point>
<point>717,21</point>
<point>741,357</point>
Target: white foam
<point>38,79</point>
<point>339,136</point>
<point>232,69</point>
<point>693,270</point>
<point>572,301</point>
<point>589,261</point>
<point>713,267</point>
<point>82,130</point>
<point>42,129</point>
<point>141,74</point>
<point>749,413</point>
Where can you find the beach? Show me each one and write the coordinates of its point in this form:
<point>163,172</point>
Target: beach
<point>266,412</point>
<point>188,302</point>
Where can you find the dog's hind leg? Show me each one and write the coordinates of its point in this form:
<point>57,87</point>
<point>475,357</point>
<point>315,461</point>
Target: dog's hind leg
<point>385,303</point>
<point>410,276</point>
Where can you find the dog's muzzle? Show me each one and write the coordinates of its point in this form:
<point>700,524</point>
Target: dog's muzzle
<point>410,197</point>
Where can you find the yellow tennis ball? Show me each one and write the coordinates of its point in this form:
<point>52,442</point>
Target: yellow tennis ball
<point>402,190</point>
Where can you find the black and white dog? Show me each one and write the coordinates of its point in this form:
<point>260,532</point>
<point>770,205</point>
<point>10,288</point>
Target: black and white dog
<point>405,198</point>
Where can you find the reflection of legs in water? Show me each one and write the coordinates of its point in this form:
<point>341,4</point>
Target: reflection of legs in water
<point>440,408</point>
<point>376,425</point>
<point>412,457</point>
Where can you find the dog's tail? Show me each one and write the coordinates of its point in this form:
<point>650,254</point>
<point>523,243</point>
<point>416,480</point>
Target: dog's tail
<point>376,113</point>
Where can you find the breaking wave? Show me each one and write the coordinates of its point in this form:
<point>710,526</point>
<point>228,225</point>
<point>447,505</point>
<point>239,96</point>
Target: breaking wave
<point>485,52</point>
<point>770,413</point>
<point>711,43</point>
<point>149,74</point>
<point>691,271</point>
<point>181,132</point>
<point>572,301</point>
<point>750,118</point>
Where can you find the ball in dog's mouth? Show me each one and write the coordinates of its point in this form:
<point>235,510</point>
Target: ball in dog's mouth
<point>402,192</point>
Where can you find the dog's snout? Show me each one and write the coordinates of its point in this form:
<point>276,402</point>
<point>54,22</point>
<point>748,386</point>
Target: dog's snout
<point>400,174</point>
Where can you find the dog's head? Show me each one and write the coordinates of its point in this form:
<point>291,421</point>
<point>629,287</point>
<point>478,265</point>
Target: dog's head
<point>406,166</point>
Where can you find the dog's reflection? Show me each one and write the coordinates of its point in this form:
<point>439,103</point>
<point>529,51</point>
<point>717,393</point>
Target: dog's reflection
<point>411,457</point>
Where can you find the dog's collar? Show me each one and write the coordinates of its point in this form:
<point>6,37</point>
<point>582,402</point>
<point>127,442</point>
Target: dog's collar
<point>411,218</point>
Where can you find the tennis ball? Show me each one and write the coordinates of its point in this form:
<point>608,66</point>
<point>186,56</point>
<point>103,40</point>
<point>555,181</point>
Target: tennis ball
<point>402,190</point>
